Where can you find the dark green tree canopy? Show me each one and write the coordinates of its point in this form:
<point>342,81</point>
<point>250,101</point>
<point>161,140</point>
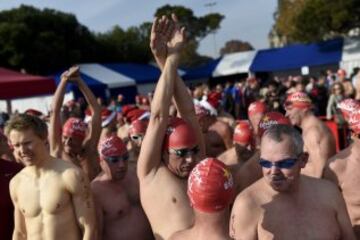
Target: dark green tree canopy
<point>45,41</point>
<point>315,20</point>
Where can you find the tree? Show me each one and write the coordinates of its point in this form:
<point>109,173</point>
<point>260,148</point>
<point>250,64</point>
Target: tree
<point>235,46</point>
<point>43,41</point>
<point>314,20</point>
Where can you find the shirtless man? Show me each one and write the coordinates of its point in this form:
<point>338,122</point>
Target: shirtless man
<point>217,134</point>
<point>242,149</point>
<point>75,144</point>
<point>52,197</point>
<point>118,208</point>
<point>170,148</point>
<point>285,204</point>
<point>210,190</point>
<point>249,172</point>
<point>343,170</point>
<point>318,139</point>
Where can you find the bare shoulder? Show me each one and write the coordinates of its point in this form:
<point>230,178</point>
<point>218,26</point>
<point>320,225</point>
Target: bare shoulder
<point>250,198</point>
<point>14,182</point>
<point>73,177</point>
<point>326,190</point>
<point>339,161</point>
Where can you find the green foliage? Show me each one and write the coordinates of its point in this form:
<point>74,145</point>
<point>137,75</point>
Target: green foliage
<point>314,20</point>
<point>45,41</point>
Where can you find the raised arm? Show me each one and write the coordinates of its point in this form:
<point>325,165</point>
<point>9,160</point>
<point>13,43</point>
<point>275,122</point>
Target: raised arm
<point>92,138</point>
<point>83,204</point>
<point>150,153</point>
<point>183,99</point>
<point>55,116</point>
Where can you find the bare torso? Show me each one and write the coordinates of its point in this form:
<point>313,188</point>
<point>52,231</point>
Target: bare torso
<point>310,214</point>
<point>345,168</point>
<point>46,204</point>
<point>166,204</point>
<point>319,151</point>
<point>123,216</point>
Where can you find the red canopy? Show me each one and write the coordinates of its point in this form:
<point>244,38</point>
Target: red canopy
<point>17,85</point>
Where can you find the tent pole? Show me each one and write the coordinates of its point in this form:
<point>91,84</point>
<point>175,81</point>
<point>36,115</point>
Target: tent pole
<point>8,106</point>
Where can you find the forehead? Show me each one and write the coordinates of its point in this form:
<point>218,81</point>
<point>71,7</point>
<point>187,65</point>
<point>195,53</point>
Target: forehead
<point>273,150</point>
<point>22,135</point>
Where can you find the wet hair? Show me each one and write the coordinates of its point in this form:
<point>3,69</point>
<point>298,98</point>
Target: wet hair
<point>21,122</point>
<point>277,133</point>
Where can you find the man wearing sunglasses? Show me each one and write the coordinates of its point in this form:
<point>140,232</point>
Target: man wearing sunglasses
<point>171,147</point>
<point>319,141</point>
<point>284,204</point>
<point>343,170</point>
<point>116,194</point>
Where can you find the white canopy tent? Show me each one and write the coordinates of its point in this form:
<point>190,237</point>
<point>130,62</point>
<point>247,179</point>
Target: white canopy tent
<point>350,54</point>
<point>234,63</point>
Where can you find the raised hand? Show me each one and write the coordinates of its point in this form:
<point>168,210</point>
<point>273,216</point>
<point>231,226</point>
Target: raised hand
<point>166,37</point>
<point>177,40</point>
<point>71,75</point>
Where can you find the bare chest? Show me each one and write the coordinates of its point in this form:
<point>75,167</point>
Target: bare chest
<point>44,195</point>
<point>165,199</point>
<point>116,204</point>
<point>305,222</point>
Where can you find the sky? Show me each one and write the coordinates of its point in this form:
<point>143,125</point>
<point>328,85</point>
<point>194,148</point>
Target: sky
<point>245,20</point>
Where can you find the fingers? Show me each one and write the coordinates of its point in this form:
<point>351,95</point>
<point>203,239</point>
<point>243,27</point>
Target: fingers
<point>154,25</point>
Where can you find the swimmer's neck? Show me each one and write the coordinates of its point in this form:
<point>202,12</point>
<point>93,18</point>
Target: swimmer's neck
<point>211,223</point>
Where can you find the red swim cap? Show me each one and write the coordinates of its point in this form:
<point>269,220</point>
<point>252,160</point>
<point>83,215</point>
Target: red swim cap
<point>242,132</point>
<point>138,127</point>
<point>179,134</point>
<point>270,119</point>
<point>256,107</point>
<point>210,186</point>
<point>354,121</point>
<point>298,100</point>
<point>347,106</point>
<point>74,127</point>
<point>112,146</point>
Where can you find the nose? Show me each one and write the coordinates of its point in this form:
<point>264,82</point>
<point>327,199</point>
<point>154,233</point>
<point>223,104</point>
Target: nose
<point>190,158</point>
<point>121,164</point>
<point>274,169</point>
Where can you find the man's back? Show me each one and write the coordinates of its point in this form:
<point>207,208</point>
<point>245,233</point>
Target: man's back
<point>343,170</point>
<point>165,203</point>
<point>311,213</point>
<point>45,201</point>
<point>319,143</point>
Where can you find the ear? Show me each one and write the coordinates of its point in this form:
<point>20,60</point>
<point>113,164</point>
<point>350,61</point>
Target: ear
<point>303,158</point>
